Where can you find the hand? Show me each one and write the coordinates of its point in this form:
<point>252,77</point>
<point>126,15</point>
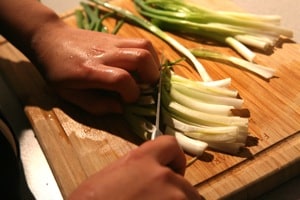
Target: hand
<point>94,70</point>
<point>81,65</point>
<point>152,171</point>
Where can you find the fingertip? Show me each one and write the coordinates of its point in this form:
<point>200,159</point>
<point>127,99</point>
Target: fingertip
<point>122,82</point>
<point>167,151</point>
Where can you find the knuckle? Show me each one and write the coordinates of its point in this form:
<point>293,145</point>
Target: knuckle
<point>133,156</point>
<point>172,143</point>
<point>144,43</point>
<point>123,83</point>
<point>142,55</point>
<point>120,78</point>
<point>167,175</point>
<point>164,174</point>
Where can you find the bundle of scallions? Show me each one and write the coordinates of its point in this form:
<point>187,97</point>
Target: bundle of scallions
<point>199,113</point>
<point>236,29</point>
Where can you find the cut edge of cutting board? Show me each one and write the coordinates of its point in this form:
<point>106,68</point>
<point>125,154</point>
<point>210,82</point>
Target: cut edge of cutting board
<point>268,169</point>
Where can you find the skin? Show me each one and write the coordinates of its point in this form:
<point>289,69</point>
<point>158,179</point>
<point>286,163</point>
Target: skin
<point>91,65</point>
<point>80,63</point>
<point>152,171</point>
<point>77,62</point>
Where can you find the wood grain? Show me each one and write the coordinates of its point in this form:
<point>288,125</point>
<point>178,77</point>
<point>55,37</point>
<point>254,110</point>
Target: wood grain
<point>77,144</point>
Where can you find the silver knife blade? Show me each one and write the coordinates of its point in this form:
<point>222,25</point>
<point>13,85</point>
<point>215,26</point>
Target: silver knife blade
<point>156,132</point>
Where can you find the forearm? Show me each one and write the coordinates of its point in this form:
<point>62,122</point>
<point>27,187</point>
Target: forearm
<point>22,22</point>
<point>79,62</point>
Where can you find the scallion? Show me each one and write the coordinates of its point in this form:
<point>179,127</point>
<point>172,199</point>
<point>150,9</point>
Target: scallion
<point>159,33</point>
<point>232,28</point>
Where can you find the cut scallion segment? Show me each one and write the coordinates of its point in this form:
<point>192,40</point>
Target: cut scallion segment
<point>189,145</point>
<point>183,113</point>
<point>265,72</point>
<point>198,104</point>
<point>205,118</point>
<point>193,86</point>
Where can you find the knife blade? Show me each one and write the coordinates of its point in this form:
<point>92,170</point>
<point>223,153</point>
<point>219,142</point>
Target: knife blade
<point>156,132</point>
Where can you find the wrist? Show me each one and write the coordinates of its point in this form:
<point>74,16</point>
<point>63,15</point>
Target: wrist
<point>44,37</point>
<point>43,31</point>
<point>22,21</point>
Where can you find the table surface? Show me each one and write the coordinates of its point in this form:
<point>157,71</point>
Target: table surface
<point>30,145</point>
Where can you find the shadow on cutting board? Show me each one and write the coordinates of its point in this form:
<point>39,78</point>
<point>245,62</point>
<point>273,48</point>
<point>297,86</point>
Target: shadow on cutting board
<point>31,89</point>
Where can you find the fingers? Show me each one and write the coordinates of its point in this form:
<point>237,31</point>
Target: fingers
<point>166,153</point>
<point>166,150</point>
<point>101,62</point>
<point>139,55</point>
<point>139,61</point>
<point>107,78</point>
<point>186,190</point>
<point>139,44</point>
<point>114,72</point>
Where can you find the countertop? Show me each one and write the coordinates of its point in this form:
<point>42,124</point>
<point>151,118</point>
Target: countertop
<point>39,177</point>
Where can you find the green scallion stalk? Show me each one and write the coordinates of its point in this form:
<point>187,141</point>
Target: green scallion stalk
<point>218,33</point>
<point>204,15</point>
<point>158,32</point>
<point>79,19</point>
<point>265,72</point>
<point>232,28</point>
<point>118,26</point>
<point>90,18</point>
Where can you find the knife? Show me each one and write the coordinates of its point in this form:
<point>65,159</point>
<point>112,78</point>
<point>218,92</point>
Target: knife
<point>156,132</point>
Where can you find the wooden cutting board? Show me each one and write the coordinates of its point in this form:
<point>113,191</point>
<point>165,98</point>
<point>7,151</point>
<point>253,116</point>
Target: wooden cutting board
<point>77,144</point>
